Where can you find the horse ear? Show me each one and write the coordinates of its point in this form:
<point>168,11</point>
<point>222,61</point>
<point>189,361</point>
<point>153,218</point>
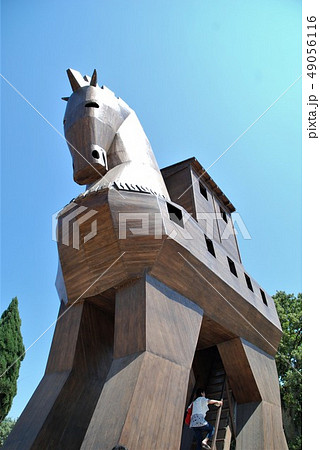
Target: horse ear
<point>76,79</point>
<point>94,77</point>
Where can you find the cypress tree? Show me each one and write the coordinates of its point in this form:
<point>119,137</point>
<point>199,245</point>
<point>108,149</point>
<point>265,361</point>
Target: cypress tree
<point>11,354</point>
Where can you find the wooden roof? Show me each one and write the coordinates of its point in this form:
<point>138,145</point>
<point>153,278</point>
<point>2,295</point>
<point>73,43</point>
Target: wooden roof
<point>203,175</point>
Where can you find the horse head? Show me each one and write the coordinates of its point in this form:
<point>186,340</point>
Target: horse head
<point>105,138</point>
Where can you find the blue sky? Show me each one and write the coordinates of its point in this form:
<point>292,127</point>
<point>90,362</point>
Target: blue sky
<point>198,74</point>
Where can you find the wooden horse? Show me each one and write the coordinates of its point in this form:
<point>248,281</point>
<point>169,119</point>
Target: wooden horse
<point>151,289</point>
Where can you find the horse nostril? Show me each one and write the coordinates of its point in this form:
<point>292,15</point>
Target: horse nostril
<point>95,154</point>
<point>92,105</point>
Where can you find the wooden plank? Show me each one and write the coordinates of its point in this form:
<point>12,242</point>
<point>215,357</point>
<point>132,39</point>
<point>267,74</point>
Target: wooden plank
<point>156,409</point>
<point>147,384</point>
<point>205,213</point>
<point>238,370</point>
<point>136,253</point>
<point>226,230</point>
<point>31,421</point>
<point>222,305</point>
<point>178,185</point>
<point>130,320</point>
<point>153,317</point>
<point>80,358</point>
<point>218,417</point>
<point>231,405</point>
<point>227,439</point>
<point>254,381</point>
<point>97,264</point>
<point>65,337</point>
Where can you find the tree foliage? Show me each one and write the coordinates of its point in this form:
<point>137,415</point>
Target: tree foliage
<point>11,355</point>
<point>5,428</point>
<point>289,364</point>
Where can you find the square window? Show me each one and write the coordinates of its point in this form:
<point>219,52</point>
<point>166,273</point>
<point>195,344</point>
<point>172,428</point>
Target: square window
<point>232,267</point>
<point>264,298</point>
<point>224,215</point>
<point>210,246</point>
<point>248,280</point>
<point>175,214</point>
<point>203,191</point>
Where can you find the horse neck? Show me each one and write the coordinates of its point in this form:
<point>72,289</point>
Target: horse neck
<point>131,145</point>
<point>131,160</point>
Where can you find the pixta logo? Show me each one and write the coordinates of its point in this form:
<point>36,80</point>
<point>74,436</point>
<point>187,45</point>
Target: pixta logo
<point>74,215</point>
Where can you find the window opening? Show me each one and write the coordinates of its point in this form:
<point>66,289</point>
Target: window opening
<point>203,191</point>
<point>264,298</point>
<point>210,246</point>
<point>175,214</point>
<point>232,267</point>
<point>224,215</point>
<point>248,280</point>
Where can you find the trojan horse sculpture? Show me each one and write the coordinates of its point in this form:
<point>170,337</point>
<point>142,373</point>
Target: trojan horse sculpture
<point>153,293</point>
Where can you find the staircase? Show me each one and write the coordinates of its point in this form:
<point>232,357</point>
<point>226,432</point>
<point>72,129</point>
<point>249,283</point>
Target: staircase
<point>218,388</point>
<point>209,372</point>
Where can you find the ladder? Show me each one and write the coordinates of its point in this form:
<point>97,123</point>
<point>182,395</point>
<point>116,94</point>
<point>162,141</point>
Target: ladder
<point>216,387</point>
<point>223,417</point>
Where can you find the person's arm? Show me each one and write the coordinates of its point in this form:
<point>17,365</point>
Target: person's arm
<point>217,403</point>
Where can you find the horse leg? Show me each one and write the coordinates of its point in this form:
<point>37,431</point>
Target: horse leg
<point>143,400</point>
<point>253,377</point>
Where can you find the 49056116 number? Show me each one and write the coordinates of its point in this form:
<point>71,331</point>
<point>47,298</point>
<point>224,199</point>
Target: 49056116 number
<point>311,47</point>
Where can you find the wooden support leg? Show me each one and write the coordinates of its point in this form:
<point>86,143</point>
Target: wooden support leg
<point>142,403</point>
<point>253,377</point>
<point>60,409</point>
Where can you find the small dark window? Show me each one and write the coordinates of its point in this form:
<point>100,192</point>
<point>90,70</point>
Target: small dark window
<point>203,190</point>
<point>175,214</point>
<point>210,246</point>
<point>92,105</point>
<point>263,296</point>
<point>224,215</point>
<point>232,267</point>
<point>248,280</point>
<point>95,154</point>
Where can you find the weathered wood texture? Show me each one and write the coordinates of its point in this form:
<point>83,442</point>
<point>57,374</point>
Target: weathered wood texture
<point>135,235</point>
<point>59,411</point>
<point>137,274</point>
<point>190,186</point>
<point>96,265</point>
<point>178,183</point>
<point>220,303</point>
<point>156,332</point>
<point>208,213</point>
<point>203,176</point>
<point>254,381</point>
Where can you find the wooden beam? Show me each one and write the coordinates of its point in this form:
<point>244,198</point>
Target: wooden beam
<point>253,377</point>
<point>156,332</point>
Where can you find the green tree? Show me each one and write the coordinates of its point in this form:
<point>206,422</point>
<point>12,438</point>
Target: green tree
<point>5,428</point>
<point>11,354</point>
<point>289,365</point>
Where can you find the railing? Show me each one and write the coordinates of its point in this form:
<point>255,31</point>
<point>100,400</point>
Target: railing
<point>232,422</point>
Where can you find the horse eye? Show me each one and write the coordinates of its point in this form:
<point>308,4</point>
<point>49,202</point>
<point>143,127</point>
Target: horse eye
<point>92,105</point>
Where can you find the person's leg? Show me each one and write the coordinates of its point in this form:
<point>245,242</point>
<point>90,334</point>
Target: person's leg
<point>210,430</point>
<point>198,434</point>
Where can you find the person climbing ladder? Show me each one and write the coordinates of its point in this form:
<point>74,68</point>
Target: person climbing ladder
<point>198,421</point>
